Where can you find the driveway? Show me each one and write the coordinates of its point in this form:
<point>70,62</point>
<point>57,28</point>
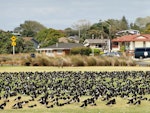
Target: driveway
<point>142,62</point>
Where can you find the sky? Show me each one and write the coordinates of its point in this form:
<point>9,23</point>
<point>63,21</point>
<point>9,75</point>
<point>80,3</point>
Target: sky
<point>61,14</point>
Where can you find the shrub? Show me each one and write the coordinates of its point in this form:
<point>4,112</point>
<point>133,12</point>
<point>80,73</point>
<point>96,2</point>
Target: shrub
<point>27,61</point>
<point>91,61</point>
<point>72,60</point>
<point>62,61</point>
<point>122,49</point>
<point>77,60</point>
<point>96,51</point>
<point>81,51</point>
<point>107,61</point>
<point>115,62</point>
<point>99,61</point>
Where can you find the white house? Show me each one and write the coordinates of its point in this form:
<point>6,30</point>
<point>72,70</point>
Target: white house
<point>103,44</point>
<point>58,49</point>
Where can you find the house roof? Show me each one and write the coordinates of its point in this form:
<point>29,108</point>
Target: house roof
<point>95,41</point>
<point>130,31</point>
<point>130,38</point>
<point>63,46</point>
<point>31,39</point>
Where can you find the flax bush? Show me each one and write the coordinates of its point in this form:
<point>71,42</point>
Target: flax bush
<point>70,60</point>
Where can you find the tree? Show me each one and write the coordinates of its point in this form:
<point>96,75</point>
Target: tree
<point>147,29</point>
<point>6,47</point>
<point>124,23</point>
<point>70,32</point>
<point>48,37</point>
<point>29,28</point>
<point>96,30</point>
<point>82,26</point>
<point>142,22</point>
<point>134,26</point>
<point>24,46</point>
<point>5,43</point>
<point>102,29</point>
<point>114,27</point>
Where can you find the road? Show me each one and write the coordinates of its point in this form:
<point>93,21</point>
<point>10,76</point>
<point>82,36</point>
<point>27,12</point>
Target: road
<point>143,62</point>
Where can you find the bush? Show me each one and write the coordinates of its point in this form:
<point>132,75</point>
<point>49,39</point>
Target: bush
<point>96,51</point>
<point>122,49</point>
<point>72,60</point>
<point>81,51</point>
<point>115,62</point>
<point>77,60</point>
<point>91,61</point>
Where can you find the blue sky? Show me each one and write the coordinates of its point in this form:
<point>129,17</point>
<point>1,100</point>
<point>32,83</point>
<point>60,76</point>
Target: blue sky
<point>61,14</point>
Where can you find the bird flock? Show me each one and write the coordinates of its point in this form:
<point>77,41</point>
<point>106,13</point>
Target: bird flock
<point>60,88</point>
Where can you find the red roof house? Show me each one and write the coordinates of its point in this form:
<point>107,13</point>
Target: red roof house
<point>131,42</point>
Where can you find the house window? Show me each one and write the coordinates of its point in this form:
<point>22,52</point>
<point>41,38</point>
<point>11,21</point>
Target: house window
<point>49,51</point>
<point>115,44</point>
<point>98,45</point>
<point>59,51</point>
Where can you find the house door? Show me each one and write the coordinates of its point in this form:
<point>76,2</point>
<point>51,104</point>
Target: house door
<point>127,45</point>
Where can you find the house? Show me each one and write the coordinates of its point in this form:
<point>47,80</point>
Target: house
<point>16,33</point>
<point>128,32</point>
<point>75,39</point>
<point>103,44</point>
<point>130,42</point>
<point>59,49</point>
<point>31,39</point>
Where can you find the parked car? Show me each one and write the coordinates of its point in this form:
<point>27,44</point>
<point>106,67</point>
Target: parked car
<point>112,54</point>
<point>142,52</point>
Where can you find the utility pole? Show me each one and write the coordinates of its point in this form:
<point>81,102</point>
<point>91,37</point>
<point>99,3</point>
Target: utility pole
<point>109,37</point>
<point>79,32</point>
<point>93,47</point>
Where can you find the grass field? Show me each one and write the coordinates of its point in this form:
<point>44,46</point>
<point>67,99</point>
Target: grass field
<point>120,107</point>
<point>92,68</point>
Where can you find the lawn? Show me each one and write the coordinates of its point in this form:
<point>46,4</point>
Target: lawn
<point>82,68</point>
<point>120,107</point>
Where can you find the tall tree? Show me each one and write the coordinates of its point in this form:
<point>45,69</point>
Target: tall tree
<point>70,32</point>
<point>147,29</point>
<point>48,37</point>
<point>114,27</point>
<point>29,28</point>
<point>96,30</point>
<point>124,23</point>
<point>102,29</point>
<point>135,27</point>
<point>82,26</point>
<point>142,22</point>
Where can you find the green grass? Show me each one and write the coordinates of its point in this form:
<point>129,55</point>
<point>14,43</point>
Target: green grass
<point>120,107</point>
